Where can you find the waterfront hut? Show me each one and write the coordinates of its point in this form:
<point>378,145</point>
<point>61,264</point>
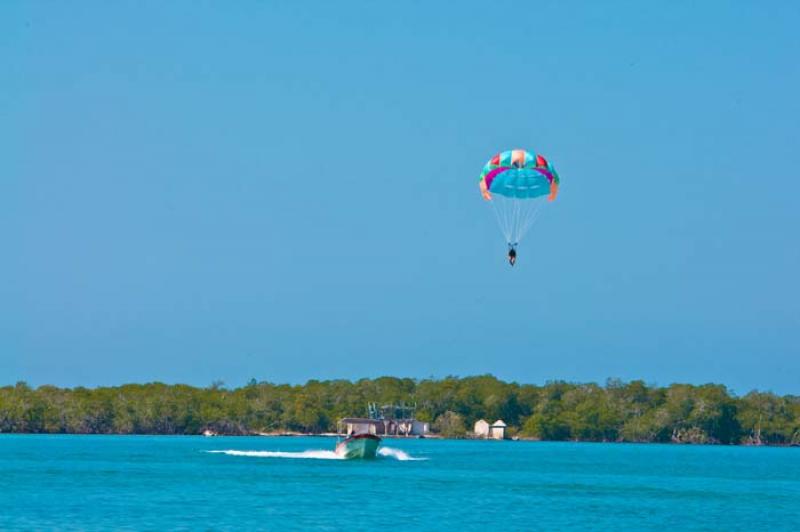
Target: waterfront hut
<point>420,428</point>
<point>481,428</point>
<point>498,430</point>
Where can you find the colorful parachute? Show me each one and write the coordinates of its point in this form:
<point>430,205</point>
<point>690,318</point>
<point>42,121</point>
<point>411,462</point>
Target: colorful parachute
<point>517,183</point>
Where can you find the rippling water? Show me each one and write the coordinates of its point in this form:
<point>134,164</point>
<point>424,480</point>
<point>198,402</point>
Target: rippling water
<point>163,482</point>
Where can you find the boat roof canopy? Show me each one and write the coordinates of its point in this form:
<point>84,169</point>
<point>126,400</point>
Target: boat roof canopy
<point>361,420</point>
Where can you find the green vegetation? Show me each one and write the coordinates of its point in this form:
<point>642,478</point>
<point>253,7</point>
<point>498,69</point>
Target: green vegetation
<point>618,411</point>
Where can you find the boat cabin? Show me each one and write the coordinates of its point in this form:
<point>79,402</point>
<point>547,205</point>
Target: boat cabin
<point>359,425</point>
<point>382,427</point>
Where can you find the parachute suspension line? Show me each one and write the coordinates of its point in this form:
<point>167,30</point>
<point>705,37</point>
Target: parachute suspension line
<point>501,213</point>
<point>515,225</point>
<point>508,207</point>
<point>516,216</point>
<point>536,210</point>
<point>524,211</point>
<point>502,206</point>
<point>512,218</point>
<point>533,214</point>
<point>518,210</point>
<point>531,209</point>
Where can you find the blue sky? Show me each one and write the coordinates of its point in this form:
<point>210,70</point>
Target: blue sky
<point>285,191</point>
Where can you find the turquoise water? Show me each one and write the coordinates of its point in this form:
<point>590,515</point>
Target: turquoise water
<point>163,482</point>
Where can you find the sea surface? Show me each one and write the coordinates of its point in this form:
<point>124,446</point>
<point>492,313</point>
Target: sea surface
<point>278,483</point>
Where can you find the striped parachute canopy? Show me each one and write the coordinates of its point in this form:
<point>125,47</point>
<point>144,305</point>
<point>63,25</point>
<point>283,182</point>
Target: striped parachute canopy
<point>517,183</point>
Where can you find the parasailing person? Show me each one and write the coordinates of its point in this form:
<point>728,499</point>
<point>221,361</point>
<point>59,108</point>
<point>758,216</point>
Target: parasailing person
<point>517,183</point>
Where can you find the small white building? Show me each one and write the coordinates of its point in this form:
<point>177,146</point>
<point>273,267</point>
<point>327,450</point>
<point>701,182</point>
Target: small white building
<point>498,430</point>
<point>495,431</point>
<point>420,428</point>
<point>481,428</point>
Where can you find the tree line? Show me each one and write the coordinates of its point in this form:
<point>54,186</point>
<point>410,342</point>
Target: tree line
<point>616,412</point>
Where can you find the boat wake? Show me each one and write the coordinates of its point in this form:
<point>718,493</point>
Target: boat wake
<point>383,452</point>
<point>316,455</point>
<point>397,454</point>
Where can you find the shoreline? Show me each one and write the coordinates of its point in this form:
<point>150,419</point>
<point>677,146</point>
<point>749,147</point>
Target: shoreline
<point>556,411</point>
<point>394,437</point>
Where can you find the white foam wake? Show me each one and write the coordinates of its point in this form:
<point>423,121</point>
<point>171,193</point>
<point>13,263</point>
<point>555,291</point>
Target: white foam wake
<point>317,454</point>
<point>397,454</point>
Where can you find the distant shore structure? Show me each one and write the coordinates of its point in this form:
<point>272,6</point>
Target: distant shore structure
<point>387,420</point>
<point>495,431</point>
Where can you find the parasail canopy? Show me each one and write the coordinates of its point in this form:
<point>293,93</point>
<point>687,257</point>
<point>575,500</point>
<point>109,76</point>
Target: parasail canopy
<point>519,174</point>
<point>517,183</point>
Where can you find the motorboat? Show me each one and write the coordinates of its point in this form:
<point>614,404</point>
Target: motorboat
<point>358,437</point>
<point>358,446</point>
